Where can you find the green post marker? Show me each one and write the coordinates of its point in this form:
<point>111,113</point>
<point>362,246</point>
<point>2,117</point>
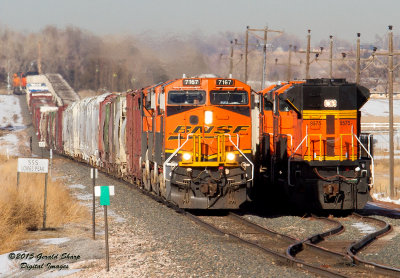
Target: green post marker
<point>104,196</point>
<point>104,192</point>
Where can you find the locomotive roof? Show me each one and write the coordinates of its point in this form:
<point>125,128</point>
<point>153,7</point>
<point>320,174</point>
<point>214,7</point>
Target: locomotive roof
<point>312,94</point>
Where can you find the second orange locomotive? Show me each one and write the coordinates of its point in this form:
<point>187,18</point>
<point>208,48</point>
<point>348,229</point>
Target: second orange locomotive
<point>311,143</point>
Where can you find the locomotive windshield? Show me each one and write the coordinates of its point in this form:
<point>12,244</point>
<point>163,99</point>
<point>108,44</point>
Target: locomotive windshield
<point>268,106</point>
<point>229,97</point>
<point>186,97</point>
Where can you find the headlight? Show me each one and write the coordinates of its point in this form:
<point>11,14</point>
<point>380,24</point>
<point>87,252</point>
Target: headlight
<point>230,157</point>
<point>330,103</point>
<point>187,157</point>
<point>208,117</point>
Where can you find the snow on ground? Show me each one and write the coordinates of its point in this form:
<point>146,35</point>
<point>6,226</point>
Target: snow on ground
<point>9,144</point>
<point>58,240</point>
<point>9,107</point>
<point>364,228</point>
<point>379,197</point>
<point>7,266</point>
<point>380,107</point>
<point>11,120</point>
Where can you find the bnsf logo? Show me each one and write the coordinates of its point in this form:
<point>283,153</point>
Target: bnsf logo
<point>219,129</point>
<point>209,129</point>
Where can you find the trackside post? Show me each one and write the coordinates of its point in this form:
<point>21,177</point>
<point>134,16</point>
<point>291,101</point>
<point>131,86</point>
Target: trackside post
<point>104,193</point>
<point>33,165</point>
<point>93,176</point>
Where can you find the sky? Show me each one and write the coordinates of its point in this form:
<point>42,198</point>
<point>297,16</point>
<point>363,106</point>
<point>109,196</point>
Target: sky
<point>340,18</point>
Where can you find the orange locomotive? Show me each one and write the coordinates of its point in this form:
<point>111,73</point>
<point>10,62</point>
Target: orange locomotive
<point>19,83</point>
<point>196,142</point>
<point>310,142</point>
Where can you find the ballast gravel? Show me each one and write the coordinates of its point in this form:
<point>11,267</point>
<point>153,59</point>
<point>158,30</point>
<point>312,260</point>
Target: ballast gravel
<point>155,241</point>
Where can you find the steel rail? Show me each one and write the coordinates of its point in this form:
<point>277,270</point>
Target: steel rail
<point>288,259</point>
<point>354,248</point>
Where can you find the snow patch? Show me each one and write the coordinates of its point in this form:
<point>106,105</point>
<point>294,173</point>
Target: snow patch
<point>364,228</point>
<point>77,186</point>
<point>7,266</point>
<point>9,108</point>
<point>84,197</point>
<point>379,197</point>
<point>59,240</point>
<point>9,145</point>
<point>380,107</point>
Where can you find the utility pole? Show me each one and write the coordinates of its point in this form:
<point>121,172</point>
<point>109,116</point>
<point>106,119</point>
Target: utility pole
<point>330,56</point>
<point>288,64</point>
<point>289,69</point>
<point>390,68</point>
<point>231,61</point>
<point>358,59</point>
<point>246,54</point>
<point>39,61</point>
<point>264,68</point>
<point>265,39</point>
<point>358,70</point>
<point>308,52</point>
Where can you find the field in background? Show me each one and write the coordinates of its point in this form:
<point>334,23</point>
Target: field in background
<point>21,210</point>
<point>381,186</point>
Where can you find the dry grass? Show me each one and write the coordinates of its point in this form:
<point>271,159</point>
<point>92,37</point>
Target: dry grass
<point>381,185</point>
<point>22,209</point>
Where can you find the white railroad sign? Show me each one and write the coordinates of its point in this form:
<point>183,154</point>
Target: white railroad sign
<point>33,165</point>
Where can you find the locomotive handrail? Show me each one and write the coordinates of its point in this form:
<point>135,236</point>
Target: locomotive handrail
<point>290,157</point>
<point>341,146</point>
<point>172,155</point>
<point>252,165</point>
<point>320,146</point>
<point>372,161</point>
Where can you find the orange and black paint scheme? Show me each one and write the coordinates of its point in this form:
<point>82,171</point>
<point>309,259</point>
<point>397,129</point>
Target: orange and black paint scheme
<point>310,142</point>
<point>19,83</point>
<point>196,142</point>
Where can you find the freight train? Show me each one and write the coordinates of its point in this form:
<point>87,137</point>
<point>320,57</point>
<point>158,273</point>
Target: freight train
<point>188,140</point>
<point>201,143</point>
<point>312,146</point>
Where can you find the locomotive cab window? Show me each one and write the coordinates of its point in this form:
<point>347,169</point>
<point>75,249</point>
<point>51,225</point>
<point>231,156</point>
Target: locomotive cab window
<point>229,97</point>
<point>268,106</point>
<point>186,97</point>
<point>284,106</point>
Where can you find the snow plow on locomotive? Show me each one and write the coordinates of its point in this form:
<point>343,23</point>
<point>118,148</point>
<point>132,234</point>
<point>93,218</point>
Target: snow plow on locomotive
<point>311,143</point>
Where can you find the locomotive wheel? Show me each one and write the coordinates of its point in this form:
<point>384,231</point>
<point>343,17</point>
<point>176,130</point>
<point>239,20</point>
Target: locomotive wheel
<point>162,188</point>
<point>146,180</point>
<point>155,182</point>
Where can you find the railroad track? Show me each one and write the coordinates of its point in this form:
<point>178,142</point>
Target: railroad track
<point>304,254</point>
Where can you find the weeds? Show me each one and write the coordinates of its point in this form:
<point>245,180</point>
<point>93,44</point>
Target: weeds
<point>21,209</point>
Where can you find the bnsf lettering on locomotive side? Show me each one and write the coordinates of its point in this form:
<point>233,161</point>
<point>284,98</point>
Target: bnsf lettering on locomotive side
<point>218,130</point>
<point>223,129</point>
<point>181,129</point>
<point>347,122</point>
